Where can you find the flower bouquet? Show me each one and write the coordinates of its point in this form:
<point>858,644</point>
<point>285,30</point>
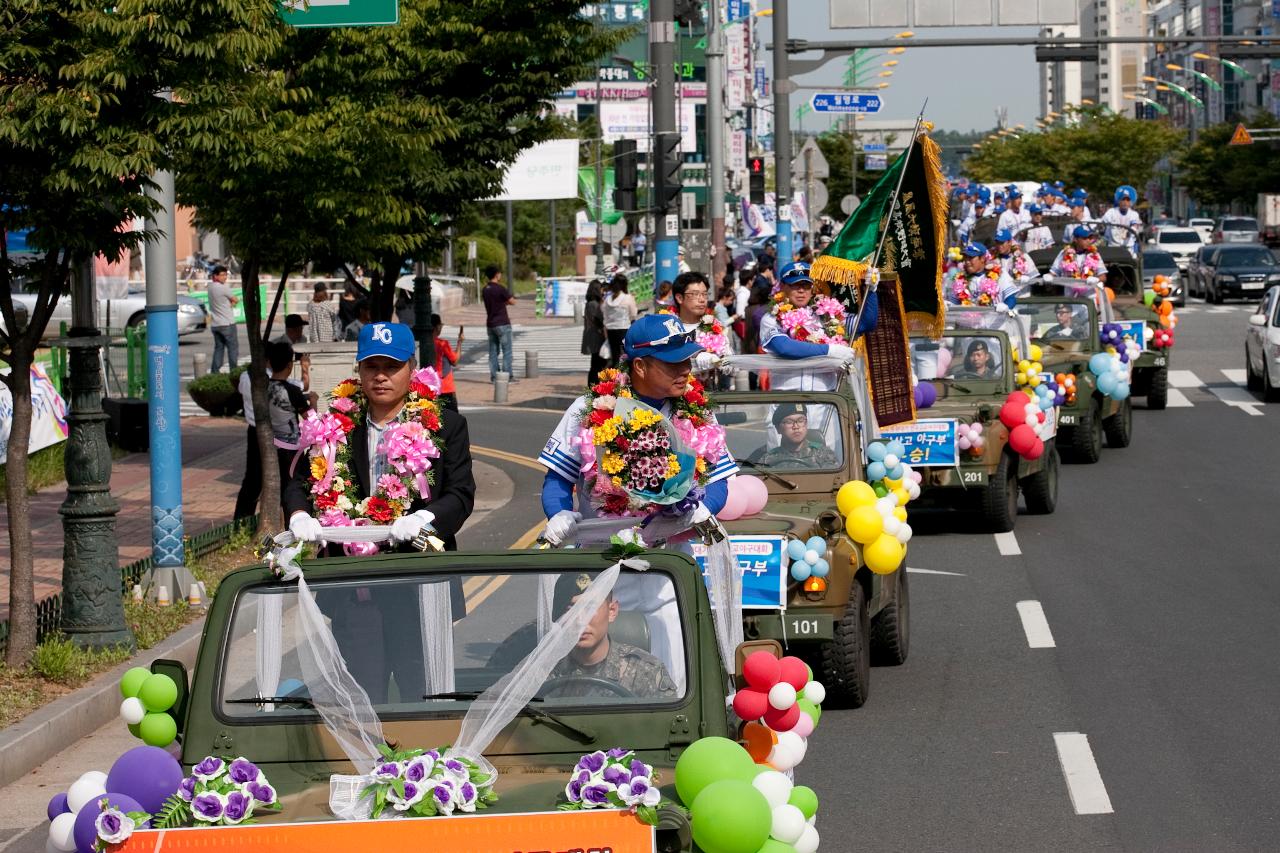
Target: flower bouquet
<point>822,322</point>
<point>112,826</point>
<point>428,783</point>
<point>711,336</point>
<point>218,793</point>
<point>614,780</point>
<point>640,452</point>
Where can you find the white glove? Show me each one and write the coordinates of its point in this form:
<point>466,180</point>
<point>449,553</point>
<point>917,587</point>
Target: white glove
<point>561,526</point>
<point>705,361</point>
<point>407,527</point>
<point>840,351</point>
<point>1093,281</point>
<point>700,514</point>
<point>873,280</point>
<point>305,528</point>
<point>1047,278</point>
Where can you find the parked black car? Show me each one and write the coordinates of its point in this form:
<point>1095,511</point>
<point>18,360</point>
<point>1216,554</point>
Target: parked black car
<point>1238,272</point>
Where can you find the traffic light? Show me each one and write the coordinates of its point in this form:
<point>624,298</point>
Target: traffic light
<point>756,193</point>
<point>624,174</point>
<point>666,175</point>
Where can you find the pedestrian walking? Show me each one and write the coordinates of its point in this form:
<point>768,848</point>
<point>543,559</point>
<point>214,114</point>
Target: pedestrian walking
<point>446,361</point>
<point>637,246</point>
<point>497,323</point>
<point>322,316</point>
<point>363,318</point>
<point>222,320</point>
<point>594,337</point>
<point>281,400</point>
<point>349,305</point>
<point>620,312</point>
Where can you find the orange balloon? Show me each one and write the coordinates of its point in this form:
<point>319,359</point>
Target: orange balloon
<point>1165,309</point>
<point>759,740</point>
<point>1111,294</point>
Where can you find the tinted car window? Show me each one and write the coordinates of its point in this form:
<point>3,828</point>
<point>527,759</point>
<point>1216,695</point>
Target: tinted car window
<point>1180,237</point>
<point>1240,224</point>
<point>1158,261</point>
<point>1246,258</point>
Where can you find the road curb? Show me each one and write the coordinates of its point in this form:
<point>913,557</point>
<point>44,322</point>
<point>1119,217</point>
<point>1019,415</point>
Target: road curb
<point>41,735</point>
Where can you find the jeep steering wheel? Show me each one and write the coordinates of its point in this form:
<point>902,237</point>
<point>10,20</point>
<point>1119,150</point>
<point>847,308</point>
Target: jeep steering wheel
<point>965,374</point>
<point>613,687</point>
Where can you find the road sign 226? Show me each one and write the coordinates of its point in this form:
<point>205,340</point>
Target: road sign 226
<point>842,102</point>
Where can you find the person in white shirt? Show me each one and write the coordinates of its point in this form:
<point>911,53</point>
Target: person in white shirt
<point>1124,225</point>
<point>1038,236</point>
<point>1079,216</point>
<point>979,211</point>
<point>1014,218</point>
<point>620,311</point>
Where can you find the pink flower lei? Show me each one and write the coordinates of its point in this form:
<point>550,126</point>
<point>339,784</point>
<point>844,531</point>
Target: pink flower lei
<point>821,322</point>
<point>711,336</point>
<point>1087,267</point>
<point>978,289</point>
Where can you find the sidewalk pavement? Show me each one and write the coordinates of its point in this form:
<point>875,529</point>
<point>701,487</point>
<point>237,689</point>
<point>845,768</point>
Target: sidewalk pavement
<point>521,314</point>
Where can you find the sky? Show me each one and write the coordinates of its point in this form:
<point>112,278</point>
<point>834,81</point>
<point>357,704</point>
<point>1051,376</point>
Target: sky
<point>965,86</point>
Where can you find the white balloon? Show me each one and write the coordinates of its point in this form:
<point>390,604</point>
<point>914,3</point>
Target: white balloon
<point>132,710</point>
<point>1032,420</point>
<point>782,696</point>
<point>788,824</point>
<point>795,744</point>
<point>886,504</point>
<point>815,692</point>
<point>775,786</point>
<point>808,841</point>
<point>891,461</point>
<point>782,757</point>
<point>82,791</point>
<point>60,831</point>
<point>891,525</point>
<point>913,489</point>
<point>95,776</point>
<point>812,557</point>
<point>904,533</point>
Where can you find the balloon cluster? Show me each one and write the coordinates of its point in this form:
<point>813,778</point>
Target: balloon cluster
<point>878,522</point>
<point>1113,340</point>
<point>969,437</point>
<point>1029,368</point>
<point>808,558</point>
<point>1157,299</point>
<point>738,806</point>
<point>1066,383</point>
<point>1112,371</point>
<point>1029,425</point>
<point>1162,338</point>
<point>747,496</point>
<point>148,697</point>
<point>139,781</point>
<point>782,693</point>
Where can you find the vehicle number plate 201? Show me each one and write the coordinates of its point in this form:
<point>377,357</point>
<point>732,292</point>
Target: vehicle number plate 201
<point>801,627</point>
<point>1066,420</point>
<point>973,478</point>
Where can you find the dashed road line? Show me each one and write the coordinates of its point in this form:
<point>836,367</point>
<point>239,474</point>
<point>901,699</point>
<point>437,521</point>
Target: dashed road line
<point>1084,781</point>
<point>1234,374</point>
<point>1007,543</point>
<point>1035,625</point>
<point>915,571</point>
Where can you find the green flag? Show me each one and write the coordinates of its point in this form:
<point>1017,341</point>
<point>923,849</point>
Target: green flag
<point>587,186</point>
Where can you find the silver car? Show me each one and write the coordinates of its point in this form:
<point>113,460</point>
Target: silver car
<point>1159,262</point>
<point>130,310</point>
<point>1262,347</point>
<point>1236,229</point>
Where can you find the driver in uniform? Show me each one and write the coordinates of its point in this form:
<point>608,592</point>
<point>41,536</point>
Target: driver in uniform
<point>791,420</point>
<point>1065,329</point>
<point>596,656</point>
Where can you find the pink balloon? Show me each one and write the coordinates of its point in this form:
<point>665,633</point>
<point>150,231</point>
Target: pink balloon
<point>804,725</point>
<point>757,494</point>
<point>944,360</point>
<point>976,427</point>
<point>736,503</point>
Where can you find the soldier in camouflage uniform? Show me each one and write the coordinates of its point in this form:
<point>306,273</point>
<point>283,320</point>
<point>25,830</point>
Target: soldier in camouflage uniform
<point>597,656</point>
<point>797,450</point>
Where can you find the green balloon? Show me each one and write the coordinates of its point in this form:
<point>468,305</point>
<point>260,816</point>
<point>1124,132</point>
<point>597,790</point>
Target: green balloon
<point>803,798</point>
<point>135,729</point>
<point>158,693</point>
<point>730,816</point>
<point>1148,297</point>
<point>773,845</point>
<point>807,707</point>
<point>708,760</point>
<point>158,729</point>
<point>880,490</point>
<point>131,683</point>
<point>809,670</point>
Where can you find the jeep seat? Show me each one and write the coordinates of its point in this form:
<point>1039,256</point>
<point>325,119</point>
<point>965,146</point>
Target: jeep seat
<point>631,628</point>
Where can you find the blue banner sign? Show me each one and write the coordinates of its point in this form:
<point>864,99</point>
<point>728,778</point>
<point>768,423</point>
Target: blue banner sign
<point>1135,330</point>
<point>763,562</point>
<point>843,102</point>
<point>929,443</point>
<point>737,10</point>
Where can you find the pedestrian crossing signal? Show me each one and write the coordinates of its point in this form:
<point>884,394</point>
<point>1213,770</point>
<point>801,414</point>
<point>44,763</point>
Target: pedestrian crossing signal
<point>1241,136</point>
<point>756,182</point>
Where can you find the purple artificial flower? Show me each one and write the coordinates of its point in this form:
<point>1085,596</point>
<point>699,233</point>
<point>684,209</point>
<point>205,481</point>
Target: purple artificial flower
<point>243,771</point>
<point>187,789</point>
<point>209,769</point>
<point>387,771</point>
<point>208,806</point>
<point>413,795</point>
<point>467,797</point>
<point>573,791</point>
<point>616,775</point>
<point>592,761</point>
<point>639,768</point>
<point>445,796</point>
<point>239,806</point>
<point>639,792</point>
<point>415,770</point>
<point>618,752</point>
<point>113,826</point>
<point>597,794</point>
<point>455,770</point>
<point>432,755</point>
<point>262,792</point>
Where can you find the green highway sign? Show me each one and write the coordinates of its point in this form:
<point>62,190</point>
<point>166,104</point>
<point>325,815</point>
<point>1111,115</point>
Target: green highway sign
<point>340,13</point>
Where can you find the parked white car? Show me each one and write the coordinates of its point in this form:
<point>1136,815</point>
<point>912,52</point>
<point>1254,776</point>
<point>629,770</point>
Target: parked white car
<point>1204,226</point>
<point>1182,243</point>
<point>1262,347</point>
<point>130,310</point>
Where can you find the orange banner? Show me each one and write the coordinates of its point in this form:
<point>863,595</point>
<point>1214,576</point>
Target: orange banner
<point>545,832</point>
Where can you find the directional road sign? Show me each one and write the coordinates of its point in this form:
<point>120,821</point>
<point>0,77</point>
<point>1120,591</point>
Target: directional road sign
<point>845,102</point>
<point>340,13</point>
<point>816,161</point>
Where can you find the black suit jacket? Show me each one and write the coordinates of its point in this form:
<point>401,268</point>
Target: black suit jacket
<point>452,496</point>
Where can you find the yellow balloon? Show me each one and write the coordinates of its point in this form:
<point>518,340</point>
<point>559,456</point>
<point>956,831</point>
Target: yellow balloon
<point>1033,380</point>
<point>902,496</point>
<point>891,484</point>
<point>1035,352</point>
<point>884,555</point>
<point>864,524</point>
<point>1024,366</point>
<point>1020,378</point>
<point>854,494</point>
<point>900,513</point>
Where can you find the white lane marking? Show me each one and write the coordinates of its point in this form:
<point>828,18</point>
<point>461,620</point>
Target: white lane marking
<point>1008,544</point>
<point>936,572</point>
<point>1035,625</point>
<point>1240,398</point>
<point>1084,782</point>
<point>1178,400</point>
<point>1183,379</point>
<point>1234,374</point>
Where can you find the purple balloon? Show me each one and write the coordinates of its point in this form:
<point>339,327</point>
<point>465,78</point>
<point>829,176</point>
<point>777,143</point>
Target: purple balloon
<point>926,395</point>
<point>58,805</point>
<point>146,773</point>
<point>85,833</point>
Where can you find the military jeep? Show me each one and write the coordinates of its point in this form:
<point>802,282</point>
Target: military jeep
<point>851,618</point>
<point>387,612</point>
<point>968,393</point>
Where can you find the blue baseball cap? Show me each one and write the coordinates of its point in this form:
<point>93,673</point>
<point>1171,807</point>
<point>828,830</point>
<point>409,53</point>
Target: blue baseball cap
<point>1080,232</point>
<point>973,250</point>
<point>794,273</point>
<point>1033,209</point>
<point>660,336</point>
<point>1128,192</point>
<point>394,340</point>
<point>1004,235</point>
<point>1079,192</point>
<point>1014,192</point>
<point>1076,202</point>
<point>1059,184</point>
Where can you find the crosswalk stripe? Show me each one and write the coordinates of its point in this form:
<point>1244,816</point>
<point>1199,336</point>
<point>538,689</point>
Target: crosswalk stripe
<point>1177,400</point>
<point>1235,374</point>
<point>1184,379</point>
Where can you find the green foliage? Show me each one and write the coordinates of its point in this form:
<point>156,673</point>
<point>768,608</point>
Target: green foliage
<point>59,659</point>
<point>1215,173</point>
<point>211,382</point>
<point>174,813</point>
<point>1099,151</point>
<point>489,250</point>
<point>151,623</point>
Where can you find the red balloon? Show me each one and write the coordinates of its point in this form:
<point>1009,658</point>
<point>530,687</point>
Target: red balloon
<point>1012,414</point>
<point>761,670</point>
<point>1022,438</point>
<point>750,704</point>
<point>782,721</point>
<point>794,672</point>
<point>1037,449</point>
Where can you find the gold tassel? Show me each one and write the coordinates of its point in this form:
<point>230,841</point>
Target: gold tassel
<point>939,206</point>
<point>831,270</point>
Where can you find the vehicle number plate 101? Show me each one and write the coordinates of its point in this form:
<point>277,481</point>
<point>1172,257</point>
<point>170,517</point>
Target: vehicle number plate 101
<point>800,626</point>
<point>1066,420</point>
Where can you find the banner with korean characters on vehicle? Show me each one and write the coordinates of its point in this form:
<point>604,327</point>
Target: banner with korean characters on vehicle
<point>930,443</point>
<point>764,564</point>
<point>589,832</point>
<point>1134,330</point>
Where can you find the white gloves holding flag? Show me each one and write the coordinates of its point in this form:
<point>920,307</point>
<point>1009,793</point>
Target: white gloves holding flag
<point>872,280</point>
<point>305,528</point>
<point>705,361</point>
<point>407,527</point>
<point>840,351</point>
<point>561,527</point>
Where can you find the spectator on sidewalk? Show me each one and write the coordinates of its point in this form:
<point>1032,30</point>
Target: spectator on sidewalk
<point>637,247</point>
<point>322,316</point>
<point>594,336</point>
<point>662,298</point>
<point>349,305</point>
<point>446,361</point>
<point>222,320</point>
<point>496,298</point>
<point>363,317</point>
<point>619,313</point>
<point>404,307</point>
<point>284,396</point>
<point>293,334</point>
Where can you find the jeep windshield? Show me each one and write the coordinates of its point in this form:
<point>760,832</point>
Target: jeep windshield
<point>784,435</point>
<point>425,645</point>
<point>1057,322</point>
<point>961,364</point>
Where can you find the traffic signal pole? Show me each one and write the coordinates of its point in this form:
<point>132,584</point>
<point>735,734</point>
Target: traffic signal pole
<point>782,131</point>
<point>715,142</point>
<point>662,53</point>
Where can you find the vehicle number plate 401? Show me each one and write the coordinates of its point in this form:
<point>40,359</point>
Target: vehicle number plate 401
<point>1066,420</point>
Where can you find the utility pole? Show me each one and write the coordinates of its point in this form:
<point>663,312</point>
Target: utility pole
<point>599,179</point>
<point>662,52</point>
<point>715,141</point>
<point>782,130</point>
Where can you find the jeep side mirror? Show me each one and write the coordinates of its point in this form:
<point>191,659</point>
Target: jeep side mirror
<point>1257,319</point>
<point>178,672</point>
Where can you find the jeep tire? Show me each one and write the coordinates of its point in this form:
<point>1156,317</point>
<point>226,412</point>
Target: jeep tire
<point>846,660</point>
<point>1158,393</point>
<point>1000,495</point>
<point>1041,489</point>
<point>891,627</point>
<point>1119,427</point>
<point>1085,443</point>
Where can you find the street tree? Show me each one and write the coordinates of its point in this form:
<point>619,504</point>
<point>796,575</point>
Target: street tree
<point>81,128</point>
<point>1215,173</point>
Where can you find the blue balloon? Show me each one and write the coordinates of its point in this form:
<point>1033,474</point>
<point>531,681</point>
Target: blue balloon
<point>800,570</point>
<point>1121,390</point>
<point>820,569</point>
<point>897,473</point>
<point>1046,402</point>
<point>1100,363</point>
<point>876,471</point>
<point>1107,383</point>
<point>816,543</point>
<point>876,452</point>
<point>897,448</point>
<point>796,549</point>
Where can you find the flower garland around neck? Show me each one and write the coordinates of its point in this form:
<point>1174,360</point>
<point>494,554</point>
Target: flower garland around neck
<point>625,448</point>
<point>820,322</point>
<point>1086,268</point>
<point>1022,267</point>
<point>980,288</point>
<point>710,335</point>
<point>409,444</point>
